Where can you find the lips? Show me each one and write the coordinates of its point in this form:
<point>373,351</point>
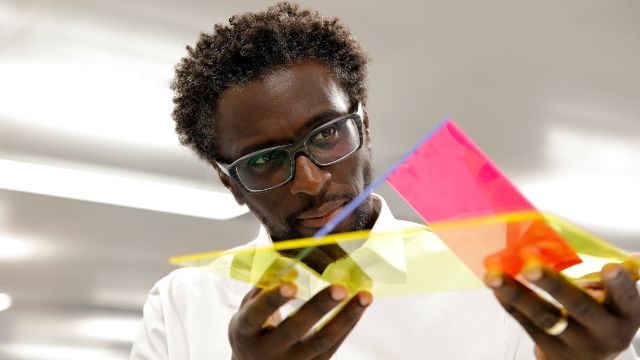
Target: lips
<point>320,216</point>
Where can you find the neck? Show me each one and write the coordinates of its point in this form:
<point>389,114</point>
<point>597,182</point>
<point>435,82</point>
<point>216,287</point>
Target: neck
<point>374,206</point>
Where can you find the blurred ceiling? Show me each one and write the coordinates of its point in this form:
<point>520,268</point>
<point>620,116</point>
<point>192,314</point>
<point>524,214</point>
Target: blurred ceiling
<point>549,89</point>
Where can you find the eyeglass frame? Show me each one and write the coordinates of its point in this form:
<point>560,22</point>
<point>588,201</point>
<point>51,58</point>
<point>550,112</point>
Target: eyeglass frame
<point>294,149</point>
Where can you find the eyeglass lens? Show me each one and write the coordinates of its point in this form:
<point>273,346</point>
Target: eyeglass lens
<point>324,146</point>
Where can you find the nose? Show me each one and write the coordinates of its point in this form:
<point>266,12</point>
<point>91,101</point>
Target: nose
<point>309,178</point>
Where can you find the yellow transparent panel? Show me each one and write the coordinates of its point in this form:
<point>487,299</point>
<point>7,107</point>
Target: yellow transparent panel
<point>447,256</point>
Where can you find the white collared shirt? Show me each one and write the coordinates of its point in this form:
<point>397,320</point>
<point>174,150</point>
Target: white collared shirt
<point>187,314</point>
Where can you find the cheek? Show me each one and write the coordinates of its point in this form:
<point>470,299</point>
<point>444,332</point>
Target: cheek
<point>359,167</point>
<point>263,205</point>
<point>238,193</point>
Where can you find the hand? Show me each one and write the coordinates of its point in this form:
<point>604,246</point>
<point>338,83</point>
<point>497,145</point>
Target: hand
<point>253,337</point>
<point>595,330</point>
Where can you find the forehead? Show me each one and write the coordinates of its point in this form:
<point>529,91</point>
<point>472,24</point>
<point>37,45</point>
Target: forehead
<point>276,109</point>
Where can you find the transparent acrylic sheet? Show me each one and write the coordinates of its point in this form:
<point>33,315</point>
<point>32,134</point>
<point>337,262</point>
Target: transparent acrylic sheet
<point>399,262</point>
<point>448,177</point>
<point>480,218</point>
<point>410,261</point>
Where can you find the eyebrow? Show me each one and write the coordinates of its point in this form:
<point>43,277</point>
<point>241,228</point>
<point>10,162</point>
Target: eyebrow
<point>316,121</point>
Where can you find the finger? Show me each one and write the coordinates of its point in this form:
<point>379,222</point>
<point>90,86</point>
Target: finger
<point>534,313</point>
<point>250,295</point>
<point>365,299</point>
<point>579,305</point>
<point>541,338</point>
<point>540,355</point>
<point>622,294</point>
<point>326,341</point>
<point>249,320</point>
<point>597,294</point>
<point>295,327</point>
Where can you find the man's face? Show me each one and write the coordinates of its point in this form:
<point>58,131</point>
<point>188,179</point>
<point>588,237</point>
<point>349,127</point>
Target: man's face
<point>281,109</point>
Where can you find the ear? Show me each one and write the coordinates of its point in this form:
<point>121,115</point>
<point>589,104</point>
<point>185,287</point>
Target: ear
<point>365,123</point>
<point>230,185</point>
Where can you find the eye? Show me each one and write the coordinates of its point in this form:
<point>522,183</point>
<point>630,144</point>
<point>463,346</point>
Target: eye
<point>267,158</point>
<point>325,134</point>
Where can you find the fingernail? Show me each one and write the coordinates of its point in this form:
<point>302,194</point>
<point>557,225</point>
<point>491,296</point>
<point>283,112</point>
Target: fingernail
<point>287,290</point>
<point>493,279</point>
<point>631,266</point>
<point>532,273</point>
<point>365,298</point>
<point>338,292</point>
<point>610,271</point>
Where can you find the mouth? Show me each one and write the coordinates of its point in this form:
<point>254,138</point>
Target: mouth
<point>320,216</point>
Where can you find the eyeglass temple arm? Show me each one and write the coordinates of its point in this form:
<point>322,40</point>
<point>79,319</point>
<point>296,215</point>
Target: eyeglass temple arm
<point>224,168</point>
<point>360,110</point>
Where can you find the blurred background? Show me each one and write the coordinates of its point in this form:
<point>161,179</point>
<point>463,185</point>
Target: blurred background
<point>96,193</point>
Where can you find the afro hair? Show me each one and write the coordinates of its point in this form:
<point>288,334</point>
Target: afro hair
<point>251,46</point>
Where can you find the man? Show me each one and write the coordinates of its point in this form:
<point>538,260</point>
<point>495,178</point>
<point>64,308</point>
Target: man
<point>244,95</point>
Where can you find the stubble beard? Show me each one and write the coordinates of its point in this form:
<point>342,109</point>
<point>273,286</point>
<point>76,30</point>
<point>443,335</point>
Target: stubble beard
<point>361,214</point>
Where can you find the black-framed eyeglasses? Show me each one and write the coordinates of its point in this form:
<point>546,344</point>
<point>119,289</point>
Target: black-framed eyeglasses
<point>272,167</point>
